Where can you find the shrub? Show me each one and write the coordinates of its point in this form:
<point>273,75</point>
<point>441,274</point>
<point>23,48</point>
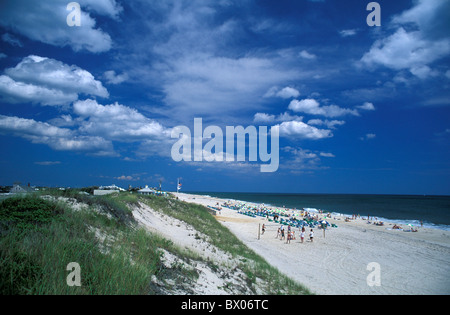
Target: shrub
<point>25,213</point>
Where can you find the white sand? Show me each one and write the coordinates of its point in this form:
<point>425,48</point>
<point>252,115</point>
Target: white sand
<point>410,263</point>
<point>181,233</point>
<point>226,279</point>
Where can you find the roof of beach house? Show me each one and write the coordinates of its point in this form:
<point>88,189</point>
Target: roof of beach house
<point>146,189</point>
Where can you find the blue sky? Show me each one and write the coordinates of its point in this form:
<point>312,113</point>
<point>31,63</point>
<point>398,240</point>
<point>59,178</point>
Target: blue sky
<point>360,109</point>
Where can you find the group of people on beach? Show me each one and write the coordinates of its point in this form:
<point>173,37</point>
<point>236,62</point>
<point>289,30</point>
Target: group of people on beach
<point>290,234</point>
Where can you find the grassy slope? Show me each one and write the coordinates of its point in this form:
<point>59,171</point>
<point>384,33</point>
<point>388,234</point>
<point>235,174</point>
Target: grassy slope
<point>38,238</point>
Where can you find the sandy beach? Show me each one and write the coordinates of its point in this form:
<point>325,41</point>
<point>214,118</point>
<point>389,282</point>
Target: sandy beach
<point>337,262</point>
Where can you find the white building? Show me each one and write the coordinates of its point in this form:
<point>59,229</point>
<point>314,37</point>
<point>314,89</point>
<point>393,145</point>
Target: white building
<point>147,191</point>
<point>107,190</point>
<point>19,189</point>
<point>112,187</point>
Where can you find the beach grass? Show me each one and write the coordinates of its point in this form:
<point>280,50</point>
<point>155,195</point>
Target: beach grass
<point>220,236</point>
<point>39,237</point>
<point>34,260</point>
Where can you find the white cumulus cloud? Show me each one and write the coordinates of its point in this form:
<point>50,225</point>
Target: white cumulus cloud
<point>48,81</point>
<point>60,139</point>
<point>311,106</point>
<point>306,55</point>
<point>112,78</point>
<point>45,21</point>
<point>301,130</point>
<point>419,40</point>
<point>117,122</point>
<point>367,106</point>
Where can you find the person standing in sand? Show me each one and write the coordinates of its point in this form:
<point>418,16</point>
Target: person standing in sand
<point>311,235</point>
<point>302,235</point>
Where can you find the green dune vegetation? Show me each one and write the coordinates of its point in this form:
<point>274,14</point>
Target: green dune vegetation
<point>40,234</point>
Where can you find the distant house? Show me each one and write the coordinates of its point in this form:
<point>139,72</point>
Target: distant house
<point>107,190</point>
<point>20,189</point>
<point>112,187</point>
<point>147,191</point>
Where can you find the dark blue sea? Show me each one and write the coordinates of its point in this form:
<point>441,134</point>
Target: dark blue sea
<point>434,211</point>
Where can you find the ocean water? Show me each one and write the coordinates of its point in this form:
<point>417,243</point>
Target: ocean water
<point>433,211</point>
